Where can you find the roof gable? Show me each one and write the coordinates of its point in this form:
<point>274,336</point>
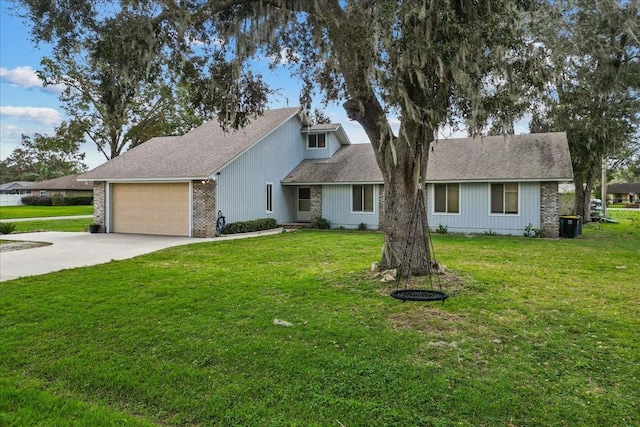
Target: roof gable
<point>196,155</point>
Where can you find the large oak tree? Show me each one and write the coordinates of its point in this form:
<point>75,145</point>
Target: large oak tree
<point>593,52</point>
<point>431,63</point>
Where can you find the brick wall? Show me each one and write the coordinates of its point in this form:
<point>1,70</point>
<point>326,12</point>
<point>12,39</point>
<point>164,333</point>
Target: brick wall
<point>204,209</point>
<point>316,204</point>
<point>100,204</point>
<point>549,209</point>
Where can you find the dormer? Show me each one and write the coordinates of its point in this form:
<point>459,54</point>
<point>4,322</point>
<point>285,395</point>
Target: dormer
<point>323,140</point>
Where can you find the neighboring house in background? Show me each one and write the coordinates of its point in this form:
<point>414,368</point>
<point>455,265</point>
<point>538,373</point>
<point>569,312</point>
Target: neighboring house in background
<point>15,187</point>
<point>11,193</point>
<point>68,186</point>
<point>280,166</point>
<point>623,193</point>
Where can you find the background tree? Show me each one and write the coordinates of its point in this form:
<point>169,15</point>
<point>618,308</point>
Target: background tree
<point>43,157</point>
<point>431,63</point>
<point>117,86</point>
<point>594,92</point>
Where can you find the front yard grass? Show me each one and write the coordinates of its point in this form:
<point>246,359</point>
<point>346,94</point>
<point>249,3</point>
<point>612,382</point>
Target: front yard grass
<point>536,332</point>
<point>79,224</point>
<point>13,212</point>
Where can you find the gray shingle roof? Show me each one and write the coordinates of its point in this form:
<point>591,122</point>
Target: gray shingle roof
<point>69,182</point>
<point>624,188</point>
<point>541,156</point>
<point>351,163</point>
<point>519,157</point>
<point>195,155</point>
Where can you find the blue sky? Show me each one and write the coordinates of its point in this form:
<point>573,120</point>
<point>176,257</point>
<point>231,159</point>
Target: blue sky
<point>27,108</point>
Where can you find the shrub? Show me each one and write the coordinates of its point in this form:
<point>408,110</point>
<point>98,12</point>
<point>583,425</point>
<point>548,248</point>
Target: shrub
<point>7,227</point>
<point>36,201</point>
<point>442,229</point>
<point>362,226</point>
<point>57,200</point>
<point>249,226</point>
<point>323,224</point>
<point>78,201</point>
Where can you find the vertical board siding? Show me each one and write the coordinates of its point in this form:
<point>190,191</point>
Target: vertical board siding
<point>332,146</point>
<point>242,183</point>
<point>475,214</point>
<point>336,207</point>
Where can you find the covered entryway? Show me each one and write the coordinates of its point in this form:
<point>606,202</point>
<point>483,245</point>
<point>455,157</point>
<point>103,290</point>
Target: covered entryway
<point>155,208</point>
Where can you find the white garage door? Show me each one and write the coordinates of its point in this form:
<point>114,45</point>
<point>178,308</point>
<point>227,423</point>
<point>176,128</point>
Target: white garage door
<point>150,208</point>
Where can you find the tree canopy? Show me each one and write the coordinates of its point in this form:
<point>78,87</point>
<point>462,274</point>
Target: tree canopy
<point>43,157</point>
<point>594,87</point>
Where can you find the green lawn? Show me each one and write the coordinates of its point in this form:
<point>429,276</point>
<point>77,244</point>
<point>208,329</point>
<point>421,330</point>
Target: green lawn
<point>79,224</point>
<point>11,212</point>
<point>536,332</point>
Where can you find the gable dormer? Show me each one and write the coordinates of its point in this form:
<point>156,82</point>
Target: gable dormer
<point>322,141</point>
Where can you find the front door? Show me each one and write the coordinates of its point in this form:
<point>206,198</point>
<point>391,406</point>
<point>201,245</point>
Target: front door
<point>304,204</point>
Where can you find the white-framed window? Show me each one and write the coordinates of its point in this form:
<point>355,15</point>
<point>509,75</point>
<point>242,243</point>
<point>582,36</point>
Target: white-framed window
<point>446,198</point>
<point>504,198</point>
<point>362,198</point>
<point>43,193</point>
<point>269,197</point>
<point>316,141</point>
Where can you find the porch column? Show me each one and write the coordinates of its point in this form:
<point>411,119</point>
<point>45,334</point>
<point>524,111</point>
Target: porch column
<point>100,204</point>
<point>549,209</point>
<point>316,204</point>
<point>204,209</point>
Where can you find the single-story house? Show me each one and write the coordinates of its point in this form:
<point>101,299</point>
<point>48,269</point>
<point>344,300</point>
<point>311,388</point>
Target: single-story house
<point>281,166</point>
<point>15,187</point>
<point>68,186</point>
<point>623,192</point>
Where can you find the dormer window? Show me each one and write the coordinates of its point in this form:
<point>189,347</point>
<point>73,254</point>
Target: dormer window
<point>316,140</point>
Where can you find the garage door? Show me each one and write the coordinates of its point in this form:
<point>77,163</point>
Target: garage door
<point>150,208</point>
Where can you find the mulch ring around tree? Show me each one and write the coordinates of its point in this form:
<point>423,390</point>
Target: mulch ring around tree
<point>16,245</point>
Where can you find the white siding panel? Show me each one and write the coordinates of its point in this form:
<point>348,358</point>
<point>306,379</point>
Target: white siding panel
<point>242,183</point>
<point>336,207</point>
<point>475,214</point>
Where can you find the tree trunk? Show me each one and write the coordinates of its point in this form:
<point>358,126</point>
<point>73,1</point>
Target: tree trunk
<point>406,239</point>
<point>583,193</point>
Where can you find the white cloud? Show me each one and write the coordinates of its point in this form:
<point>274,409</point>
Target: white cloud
<point>43,115</point>
<point>26,77</point>
<point>21,76</point>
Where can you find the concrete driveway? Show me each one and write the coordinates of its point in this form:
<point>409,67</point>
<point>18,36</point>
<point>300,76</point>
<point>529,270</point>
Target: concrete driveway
<point>70,250</point>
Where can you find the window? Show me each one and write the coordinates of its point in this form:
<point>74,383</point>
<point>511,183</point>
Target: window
<point>316,140</point>
<point>446,198</point>
<point>504,198</point>
<point>362,198</point>
<point>43,193</point>
<point>269,197</point>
